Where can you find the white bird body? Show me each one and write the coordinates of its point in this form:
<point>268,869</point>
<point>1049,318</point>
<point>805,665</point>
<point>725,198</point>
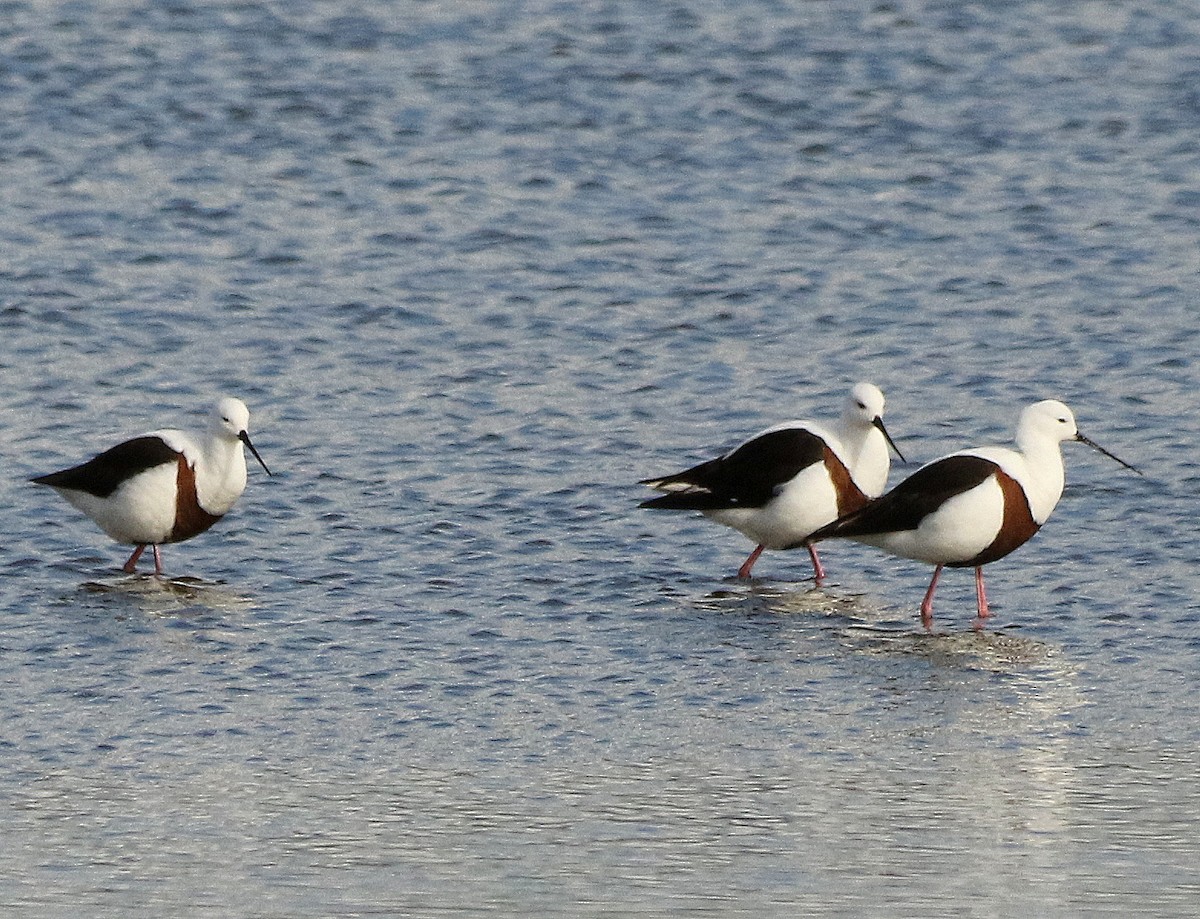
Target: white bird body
<point>139,512</point>
<point>798,506</point>
<point>783,483</point>
<point>974,506</point>
<point>165,486</point>
<point>963,527</point>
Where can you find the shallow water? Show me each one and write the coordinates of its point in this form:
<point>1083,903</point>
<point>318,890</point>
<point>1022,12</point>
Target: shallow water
<point>477,268</point>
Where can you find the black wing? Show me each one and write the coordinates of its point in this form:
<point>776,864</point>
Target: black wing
<point>914,499</point>
<point>750,476</point>
<point>104,474</point>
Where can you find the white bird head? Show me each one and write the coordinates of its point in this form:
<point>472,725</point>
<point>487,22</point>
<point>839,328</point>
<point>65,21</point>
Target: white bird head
<point>1049,419</point>
<point>230,420</point>
<point>864,406</point>
<point>1052,420</point>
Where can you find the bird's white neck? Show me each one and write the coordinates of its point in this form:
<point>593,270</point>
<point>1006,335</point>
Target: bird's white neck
<point>865,453</point>
<point>220,474</point>
<point>1045,474</point>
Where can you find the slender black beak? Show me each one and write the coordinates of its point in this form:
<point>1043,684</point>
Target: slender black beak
<point>1095,446</point>
<point>878,423</point>
<point>245,438</point>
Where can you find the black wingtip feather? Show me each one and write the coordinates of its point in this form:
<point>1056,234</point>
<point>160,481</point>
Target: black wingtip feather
<point>103,475</point>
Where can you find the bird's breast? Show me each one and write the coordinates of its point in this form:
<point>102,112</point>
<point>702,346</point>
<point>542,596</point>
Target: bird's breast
<point>191,518</point>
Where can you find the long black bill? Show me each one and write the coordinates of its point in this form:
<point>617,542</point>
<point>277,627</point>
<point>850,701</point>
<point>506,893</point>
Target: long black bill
<point>878,423</point>
<point>1095,446</point>
<point>245,438</point>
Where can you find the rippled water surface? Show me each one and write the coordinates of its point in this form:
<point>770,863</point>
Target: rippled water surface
<point>477,267</point>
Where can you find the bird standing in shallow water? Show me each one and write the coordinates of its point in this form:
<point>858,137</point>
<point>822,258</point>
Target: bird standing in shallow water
<point>974,506</point>
<point>786,481</point>
<point>165,486</point>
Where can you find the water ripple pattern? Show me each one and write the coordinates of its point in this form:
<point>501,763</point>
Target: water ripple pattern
<point>478,267</point>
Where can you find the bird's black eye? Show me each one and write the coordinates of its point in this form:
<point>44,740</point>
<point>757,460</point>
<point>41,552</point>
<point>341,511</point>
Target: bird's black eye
<point>862,405</point>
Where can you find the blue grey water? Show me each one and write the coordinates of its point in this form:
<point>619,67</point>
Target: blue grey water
<point>479,266</point>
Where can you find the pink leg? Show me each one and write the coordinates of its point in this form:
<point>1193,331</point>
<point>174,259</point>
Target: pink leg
<point>981,603</point>
<point>131,566</point>
<point>744,571</point>
<point>157,561</point>
<point>927,603</point>
<point>817,569</point>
